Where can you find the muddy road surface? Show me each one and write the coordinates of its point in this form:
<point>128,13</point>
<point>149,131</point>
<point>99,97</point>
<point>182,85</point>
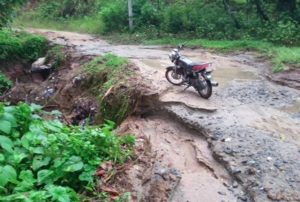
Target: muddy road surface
<point>243,144</point>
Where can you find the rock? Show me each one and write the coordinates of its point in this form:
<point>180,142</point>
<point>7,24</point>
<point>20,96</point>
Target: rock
<point>235,184</point>
<point>222,193</point>
<point>40,65</point>
<point>49,92</point>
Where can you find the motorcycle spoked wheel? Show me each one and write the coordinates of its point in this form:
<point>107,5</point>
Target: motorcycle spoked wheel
<point>174,78</point>
<point>207,91</point>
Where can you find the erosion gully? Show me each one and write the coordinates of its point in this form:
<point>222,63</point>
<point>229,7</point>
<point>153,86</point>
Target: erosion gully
<point>243,144</point>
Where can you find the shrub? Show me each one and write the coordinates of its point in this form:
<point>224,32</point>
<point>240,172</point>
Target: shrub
<point>114,16</point>
<point>21,45</point>
<point>5,83</point>
<point>49,161</point>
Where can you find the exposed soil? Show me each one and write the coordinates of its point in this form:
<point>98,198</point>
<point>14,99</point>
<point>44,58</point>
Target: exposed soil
<point>244,142</point>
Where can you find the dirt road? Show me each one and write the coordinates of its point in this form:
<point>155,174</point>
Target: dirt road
<point>250,126</point>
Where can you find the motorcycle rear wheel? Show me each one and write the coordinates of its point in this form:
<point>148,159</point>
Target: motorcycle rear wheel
<point>174,78</point>
<point>207,91</point>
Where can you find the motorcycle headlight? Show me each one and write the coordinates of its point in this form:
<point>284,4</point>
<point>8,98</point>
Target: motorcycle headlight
<point>172,56</point>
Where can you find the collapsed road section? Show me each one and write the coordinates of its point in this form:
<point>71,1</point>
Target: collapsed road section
<point>251,126</point>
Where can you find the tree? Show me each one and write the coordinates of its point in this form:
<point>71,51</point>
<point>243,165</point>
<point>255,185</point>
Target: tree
<point>7,8</point>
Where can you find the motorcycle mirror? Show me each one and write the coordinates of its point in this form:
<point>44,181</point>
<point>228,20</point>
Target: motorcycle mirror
<point>181,46</point>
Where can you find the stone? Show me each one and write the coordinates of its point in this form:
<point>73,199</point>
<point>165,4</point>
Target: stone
<point>40,66</point>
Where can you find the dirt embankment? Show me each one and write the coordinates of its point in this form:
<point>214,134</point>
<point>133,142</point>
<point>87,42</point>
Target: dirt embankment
<point>244,142</point>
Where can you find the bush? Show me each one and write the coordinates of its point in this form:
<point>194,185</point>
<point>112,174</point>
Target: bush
<point>114,16</point>
<point>49,161</point>
<point>57,9</point>
<point>21,46</point>
<point>285,31</point>
<point>5,83</point>
<point>7,10</point>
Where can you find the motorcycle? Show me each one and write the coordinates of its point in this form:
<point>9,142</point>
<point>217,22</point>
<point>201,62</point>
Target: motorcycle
<point>186,72</point>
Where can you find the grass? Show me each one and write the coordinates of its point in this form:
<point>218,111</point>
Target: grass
<point>279,55</point>
<point>87,24</point>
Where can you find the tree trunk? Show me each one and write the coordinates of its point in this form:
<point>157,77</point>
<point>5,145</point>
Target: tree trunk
<point>229,11</point>
<point>260,11</point>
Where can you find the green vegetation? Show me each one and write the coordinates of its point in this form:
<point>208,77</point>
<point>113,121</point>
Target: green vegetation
<point>49,161</point>
<point>105,74</point>
<point>275,21</point>
<point>271,27</point>
<point>22,46</point>
<point>7,9</point>
<point>56,56</point>
<point>5,83</point>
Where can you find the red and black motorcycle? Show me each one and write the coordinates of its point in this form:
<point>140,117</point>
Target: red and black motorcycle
<point>186,72</point>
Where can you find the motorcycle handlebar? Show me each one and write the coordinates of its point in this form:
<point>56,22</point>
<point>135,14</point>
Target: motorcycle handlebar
<point>181,46</point>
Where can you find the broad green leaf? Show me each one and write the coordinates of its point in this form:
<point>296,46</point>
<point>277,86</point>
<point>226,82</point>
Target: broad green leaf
<point>58,162</point>
<point>87,176</point>
<point>54,126</point>
<point>6,143</point>
<point>2,157</point>
<point>35,107</point>
<point>73,164</point>
<point>44,176</point>
<point>27,140</point>
<point>27,175</point>
<point>10,118</point>
<point>5,126</point>
<point>27,182</point>
<point>38,150</point>
<point>7,174</point>
<point>38,196</point>
<point>59,193</point>
<point>18,157</point>
<point>39,161</point>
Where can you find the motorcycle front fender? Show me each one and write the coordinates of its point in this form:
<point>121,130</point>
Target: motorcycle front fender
<point>178,70</point>
<point>170,67</point>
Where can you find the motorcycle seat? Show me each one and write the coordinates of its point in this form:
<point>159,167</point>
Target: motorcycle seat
<point>199,66</point>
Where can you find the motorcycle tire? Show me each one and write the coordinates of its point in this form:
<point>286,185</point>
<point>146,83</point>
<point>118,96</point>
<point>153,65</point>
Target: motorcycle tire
<point>170,77</point>
<point>207,91</point>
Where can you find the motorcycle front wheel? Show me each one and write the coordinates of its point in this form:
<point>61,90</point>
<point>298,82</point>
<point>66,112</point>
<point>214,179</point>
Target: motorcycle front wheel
<point>174,78</point>
<point>207,91</point>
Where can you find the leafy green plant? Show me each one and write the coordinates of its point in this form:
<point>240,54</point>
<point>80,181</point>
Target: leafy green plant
<point>5,83</point>
<point>21,45</point>
<point>7,10</point>
<point>49,161</point>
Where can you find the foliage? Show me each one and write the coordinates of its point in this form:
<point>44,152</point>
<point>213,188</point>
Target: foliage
<point>5,83</point>
<point>56,56</point>
<point>49,161</point>
<point>16,45</point>
<point>114,16</point>
<point>7,10</point>
<point>57,9</point>
<point>275,21</point>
